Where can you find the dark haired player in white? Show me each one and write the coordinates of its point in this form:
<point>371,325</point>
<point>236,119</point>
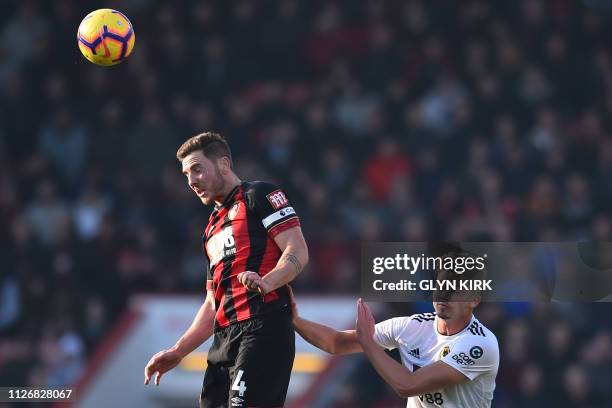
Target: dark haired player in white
<point>449,359</point>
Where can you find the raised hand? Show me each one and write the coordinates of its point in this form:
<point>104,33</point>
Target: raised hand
<point>364,326</point>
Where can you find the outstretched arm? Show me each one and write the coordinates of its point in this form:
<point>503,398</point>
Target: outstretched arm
<point>324,337</point>
<point>405,383</point>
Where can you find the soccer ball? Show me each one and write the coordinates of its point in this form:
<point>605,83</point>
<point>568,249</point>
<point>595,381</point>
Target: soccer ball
<point>106,37</point>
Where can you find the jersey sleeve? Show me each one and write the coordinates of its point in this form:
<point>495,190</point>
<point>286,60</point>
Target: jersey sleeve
<point>473,355</point>
<point>272,207</point>
<point>388,333</point>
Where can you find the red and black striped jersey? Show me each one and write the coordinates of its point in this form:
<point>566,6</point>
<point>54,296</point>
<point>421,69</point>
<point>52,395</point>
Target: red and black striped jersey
<point>240,237</point>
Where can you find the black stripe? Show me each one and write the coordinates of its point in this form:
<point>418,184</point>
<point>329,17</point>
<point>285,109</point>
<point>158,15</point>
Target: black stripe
<point>476,329</point>
<point>258,239</point>
<point>213,220</point>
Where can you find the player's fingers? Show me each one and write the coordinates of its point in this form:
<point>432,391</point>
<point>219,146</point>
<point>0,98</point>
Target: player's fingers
<point>363,316</point>
<point>367,314</point>
<point>158,378</point>
<point>148,372</point>
<point>241,277</point>
<point>251,287</point>
<point>291,297</point>
<point>246,277</point>
<point>253,283</point>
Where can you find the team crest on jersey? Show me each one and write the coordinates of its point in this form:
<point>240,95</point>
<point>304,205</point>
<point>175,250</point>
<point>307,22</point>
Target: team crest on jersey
<point>277,199</point>
<point>231,214</point>
<point>444,351</point>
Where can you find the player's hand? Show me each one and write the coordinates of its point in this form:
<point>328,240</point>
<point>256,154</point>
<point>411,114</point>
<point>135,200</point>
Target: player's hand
<point>253,282</point>
<point>160,364</point>
<point>364,326</point>
<point>294,308</point>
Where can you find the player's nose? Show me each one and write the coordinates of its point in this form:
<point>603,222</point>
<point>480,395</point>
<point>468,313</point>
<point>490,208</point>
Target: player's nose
<point>192,179</point>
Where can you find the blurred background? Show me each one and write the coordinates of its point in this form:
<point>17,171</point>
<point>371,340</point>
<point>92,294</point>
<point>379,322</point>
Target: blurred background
<point>383,120</point>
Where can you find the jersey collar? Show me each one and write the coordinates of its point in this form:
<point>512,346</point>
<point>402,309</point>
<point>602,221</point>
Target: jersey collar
<point>456,334</point>
<point>230,197</point>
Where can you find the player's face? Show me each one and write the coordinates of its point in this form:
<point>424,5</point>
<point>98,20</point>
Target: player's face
<point>203,177</point>
<point>452,309</point>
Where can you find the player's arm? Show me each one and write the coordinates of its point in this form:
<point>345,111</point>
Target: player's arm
<point>324,337</point>
<point>270,204</point>
<point>293,259</point>
<point>200,330</point>
<point>405,383</point>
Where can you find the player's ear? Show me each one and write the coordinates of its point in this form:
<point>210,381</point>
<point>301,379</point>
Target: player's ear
<point>475,302</point>
<point>224,165</point>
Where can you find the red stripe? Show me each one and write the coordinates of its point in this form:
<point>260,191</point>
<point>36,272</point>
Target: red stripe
<point>284,226</point>
<point>222,319</point>
<point>241,232</point>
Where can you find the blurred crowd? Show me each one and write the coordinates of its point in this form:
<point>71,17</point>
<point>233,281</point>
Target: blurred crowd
<point>384,120</point>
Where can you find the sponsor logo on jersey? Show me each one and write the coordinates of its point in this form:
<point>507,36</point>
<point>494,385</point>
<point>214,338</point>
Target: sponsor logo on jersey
<point>415,353</point>
<point>220,245</point>
<point>463,359</point>
<point>444,352</point>
<point>476,352</point>
<point>277,199</point>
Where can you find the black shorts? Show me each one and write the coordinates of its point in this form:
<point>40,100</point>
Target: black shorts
<point>249,363</point>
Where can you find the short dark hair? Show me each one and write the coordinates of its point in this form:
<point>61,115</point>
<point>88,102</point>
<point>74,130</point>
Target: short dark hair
<point>212,145</point>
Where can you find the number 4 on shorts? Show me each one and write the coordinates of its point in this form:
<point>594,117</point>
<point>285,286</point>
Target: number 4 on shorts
<point>238,385</point>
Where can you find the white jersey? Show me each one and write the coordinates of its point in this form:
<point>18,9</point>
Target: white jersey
<point>473,352</point>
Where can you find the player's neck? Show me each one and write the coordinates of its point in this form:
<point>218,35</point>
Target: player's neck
<point>450,327</point>
<point>230,184</point>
